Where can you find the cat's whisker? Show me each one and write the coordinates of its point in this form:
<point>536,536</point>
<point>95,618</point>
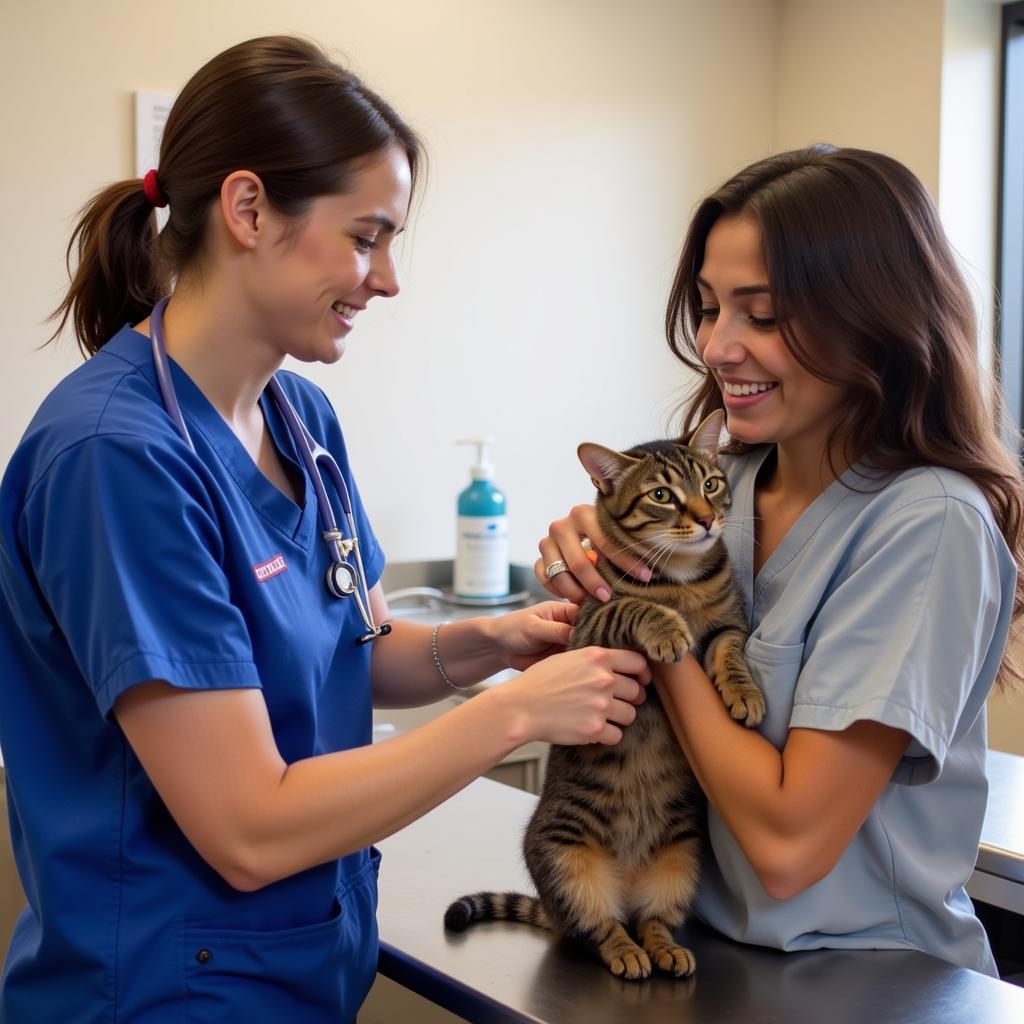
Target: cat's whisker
<point>648,559</point>
<point>661,554</point>
<point>629,547</point>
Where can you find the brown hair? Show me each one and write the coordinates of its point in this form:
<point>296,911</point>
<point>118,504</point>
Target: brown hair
<point>277,106</point>
<point>857,258</point>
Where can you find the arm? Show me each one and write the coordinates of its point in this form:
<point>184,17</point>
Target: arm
<point>212,757</point>
<point>404,673</point>
<point>793,812</point>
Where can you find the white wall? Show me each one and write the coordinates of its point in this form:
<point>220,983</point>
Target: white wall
<point>568,141</point>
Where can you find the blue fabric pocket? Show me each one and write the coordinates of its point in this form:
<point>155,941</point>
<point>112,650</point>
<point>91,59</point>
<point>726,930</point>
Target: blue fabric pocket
<point>316,973</point>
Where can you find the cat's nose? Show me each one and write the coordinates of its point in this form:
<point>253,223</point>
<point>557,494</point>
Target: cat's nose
<point>707,522</point>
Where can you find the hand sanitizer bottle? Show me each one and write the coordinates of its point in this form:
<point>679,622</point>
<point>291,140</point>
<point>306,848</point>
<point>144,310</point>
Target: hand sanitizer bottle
<point>481,551</point>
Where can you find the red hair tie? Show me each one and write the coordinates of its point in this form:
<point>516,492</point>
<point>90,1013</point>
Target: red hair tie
<point>152,190</point>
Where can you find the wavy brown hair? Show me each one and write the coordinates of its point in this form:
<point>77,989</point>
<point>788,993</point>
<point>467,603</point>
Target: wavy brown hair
<point>857,257</point>
<point>277,106</point>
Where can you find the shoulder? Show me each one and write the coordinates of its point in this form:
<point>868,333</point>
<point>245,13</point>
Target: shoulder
<point>927,522</point>
<point>922,494</point>
<point>100,404</point>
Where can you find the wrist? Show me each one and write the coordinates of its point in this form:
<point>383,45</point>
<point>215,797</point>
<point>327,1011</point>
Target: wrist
<point>513,717</point>
<point>464,651</point>
<point>435,655</point>
<point>492,641</point>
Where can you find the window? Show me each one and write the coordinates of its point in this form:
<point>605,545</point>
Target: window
<point>1010,259</point>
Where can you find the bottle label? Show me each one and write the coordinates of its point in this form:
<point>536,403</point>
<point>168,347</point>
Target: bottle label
<point>481,562</point>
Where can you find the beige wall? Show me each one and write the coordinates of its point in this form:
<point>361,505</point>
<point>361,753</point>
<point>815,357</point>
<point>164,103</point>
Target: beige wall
<point>863,73</point>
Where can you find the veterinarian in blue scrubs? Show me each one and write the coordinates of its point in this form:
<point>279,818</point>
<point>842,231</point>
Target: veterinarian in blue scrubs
<point>185,705</point>
<point>876,534</point>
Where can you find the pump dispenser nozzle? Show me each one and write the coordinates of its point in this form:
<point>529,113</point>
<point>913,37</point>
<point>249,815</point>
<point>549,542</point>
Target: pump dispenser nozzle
<point>483,469</point>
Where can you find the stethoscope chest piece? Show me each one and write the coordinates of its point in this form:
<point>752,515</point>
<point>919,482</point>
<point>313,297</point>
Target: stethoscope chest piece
<point>341,579</point>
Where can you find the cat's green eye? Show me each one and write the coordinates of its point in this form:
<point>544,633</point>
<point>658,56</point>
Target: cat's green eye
<point>661,495</point>
<point>712,484</point>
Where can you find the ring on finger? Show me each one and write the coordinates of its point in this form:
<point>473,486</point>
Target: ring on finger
<point>552,570</point>
<point>587,544</point>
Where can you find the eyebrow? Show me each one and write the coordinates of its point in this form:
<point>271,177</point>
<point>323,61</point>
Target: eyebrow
<point>384,223</point>
<point>747,289</point>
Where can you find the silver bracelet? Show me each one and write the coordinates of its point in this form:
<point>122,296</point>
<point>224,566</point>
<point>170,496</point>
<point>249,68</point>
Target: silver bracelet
<point>437,658</point>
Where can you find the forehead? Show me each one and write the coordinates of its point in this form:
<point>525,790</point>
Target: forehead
<point>380,189</point>
<point>732,253</point>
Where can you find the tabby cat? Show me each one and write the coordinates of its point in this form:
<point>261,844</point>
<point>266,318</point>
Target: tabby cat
<point>617,835</point>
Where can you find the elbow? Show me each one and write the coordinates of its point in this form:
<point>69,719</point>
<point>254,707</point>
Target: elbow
<point>240,878</point>
<point>789,872</point>
<point>783,885</point>
<point>240,867</point>
<point>242,881</point>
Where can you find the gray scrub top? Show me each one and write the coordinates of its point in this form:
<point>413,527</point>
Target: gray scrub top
<point>890,604</point>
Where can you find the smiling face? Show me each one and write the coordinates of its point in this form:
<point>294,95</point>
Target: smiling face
<point>311,281</point>
<point>768,395</point>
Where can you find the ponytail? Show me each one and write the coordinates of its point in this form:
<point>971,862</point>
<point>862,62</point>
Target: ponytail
<point>117,277</point>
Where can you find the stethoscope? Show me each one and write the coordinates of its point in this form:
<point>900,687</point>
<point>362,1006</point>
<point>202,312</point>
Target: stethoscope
<point>343,579</point>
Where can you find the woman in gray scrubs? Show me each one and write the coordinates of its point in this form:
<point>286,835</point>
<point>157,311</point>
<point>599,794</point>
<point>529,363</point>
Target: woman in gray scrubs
<point>876,532</point>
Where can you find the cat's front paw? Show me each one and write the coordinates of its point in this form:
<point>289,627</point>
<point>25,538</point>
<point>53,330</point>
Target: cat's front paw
<point>670,643</point>
<point>632,964</point>
<point>745,702</point>
<point>675,960</point>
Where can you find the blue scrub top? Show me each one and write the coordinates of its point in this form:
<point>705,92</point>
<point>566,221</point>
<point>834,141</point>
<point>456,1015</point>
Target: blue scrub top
<point>126,557</point>
<point>887,601</point>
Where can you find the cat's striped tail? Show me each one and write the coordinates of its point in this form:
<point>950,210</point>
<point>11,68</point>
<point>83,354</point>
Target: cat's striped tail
<point>495,906</point>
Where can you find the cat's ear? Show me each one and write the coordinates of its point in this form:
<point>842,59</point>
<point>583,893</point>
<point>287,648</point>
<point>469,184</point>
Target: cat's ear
<point>605,465</point>
<point>708,436</point>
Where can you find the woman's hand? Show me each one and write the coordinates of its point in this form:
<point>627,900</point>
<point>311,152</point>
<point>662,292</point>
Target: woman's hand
<point>564,543</point>
<point>532,634</point>
<point>583,696</point>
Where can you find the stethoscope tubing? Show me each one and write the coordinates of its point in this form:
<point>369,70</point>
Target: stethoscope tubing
<point>315,459</point>
<point>163,370</point>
